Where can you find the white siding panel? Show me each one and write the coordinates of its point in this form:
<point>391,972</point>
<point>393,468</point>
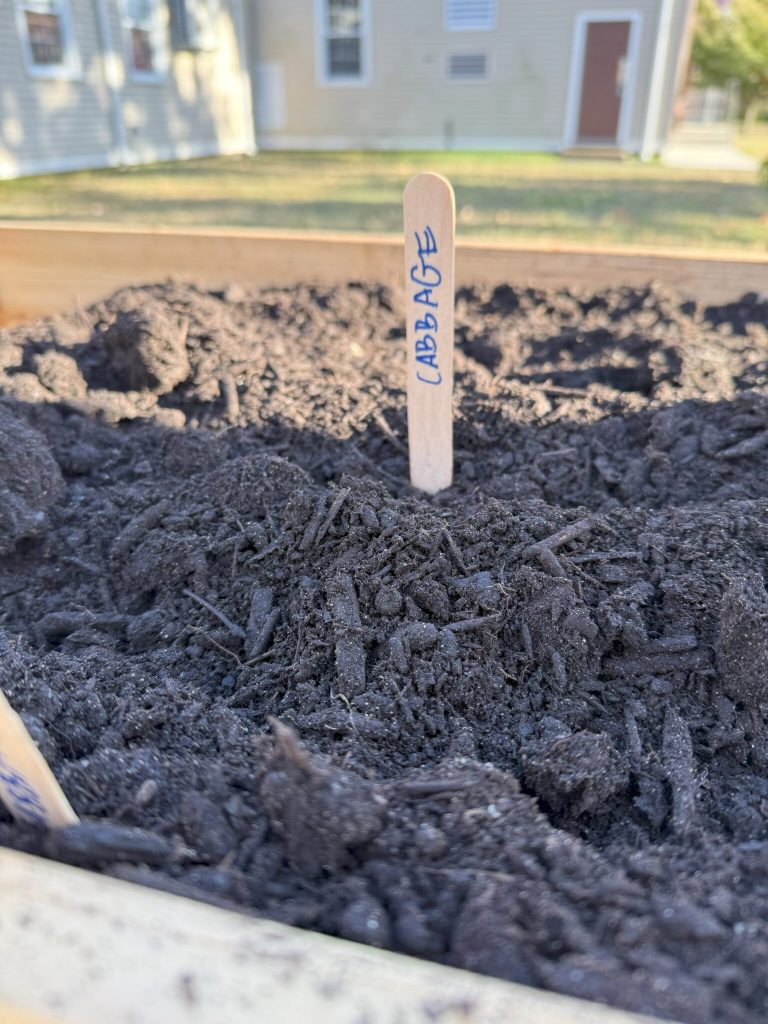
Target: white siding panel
<point>49,119</point>
<point>202,106</point>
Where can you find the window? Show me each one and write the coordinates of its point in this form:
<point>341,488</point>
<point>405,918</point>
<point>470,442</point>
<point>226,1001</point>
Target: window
<point>468,67</point>
<point>470,15</point>
<point>146,43</point>
<point>343,41</point>
<point>47,38</point>
<point>194,24</point>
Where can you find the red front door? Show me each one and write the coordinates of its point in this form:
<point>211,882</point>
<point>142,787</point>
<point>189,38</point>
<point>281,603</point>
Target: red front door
<point>602,84</point>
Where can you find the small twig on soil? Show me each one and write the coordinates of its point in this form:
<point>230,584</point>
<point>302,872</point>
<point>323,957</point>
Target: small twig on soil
<point>215,643</point>
<point>634,743</point>
<point>657,664</point>
<point>672,644</point>
<point>314,525</point>
<point>273,546</point>
<point>677,758</point>
<point>466,625</point>
<point>262,619</point>
<point>228,390</point>
<point>432,787</point>
<point>604,556</point>
<point>138,526</point>
<point>391,436</point>
<point>454,549</point>
<point>233,628</point>
<point>527,641</point>
<point>333,511</point>
<point>575,531</point>
<point>747,447</point>
<point>347,627</point>
<point>558,667</point>
<point>550,562</point>
<point>377,469</point>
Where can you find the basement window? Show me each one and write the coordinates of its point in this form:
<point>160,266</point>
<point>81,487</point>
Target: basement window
<point>146,43</point>
<point>343,41</point>
<point>47,38</point>
<point>468,67</point>
<point>470,15</point>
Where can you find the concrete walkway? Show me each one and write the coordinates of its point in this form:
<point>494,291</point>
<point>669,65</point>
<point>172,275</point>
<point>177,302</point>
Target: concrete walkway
<point>704,147</point>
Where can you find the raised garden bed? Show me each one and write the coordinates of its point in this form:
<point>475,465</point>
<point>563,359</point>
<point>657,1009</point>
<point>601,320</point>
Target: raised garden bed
<point>517,728</point>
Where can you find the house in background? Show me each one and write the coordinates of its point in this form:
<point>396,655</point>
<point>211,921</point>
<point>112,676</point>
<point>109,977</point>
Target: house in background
<point>467,74</point>
<point>93,83</point>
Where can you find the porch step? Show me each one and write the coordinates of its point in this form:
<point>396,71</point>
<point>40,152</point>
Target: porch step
<point>595,153</point>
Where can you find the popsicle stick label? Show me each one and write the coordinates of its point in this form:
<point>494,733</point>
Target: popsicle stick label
<point>429,218</point>
<point>28,787</point>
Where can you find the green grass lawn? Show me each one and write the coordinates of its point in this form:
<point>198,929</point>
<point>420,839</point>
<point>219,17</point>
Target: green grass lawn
<point>499,196</point>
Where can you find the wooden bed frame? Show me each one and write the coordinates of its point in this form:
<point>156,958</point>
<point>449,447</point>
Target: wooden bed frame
<point>82,948</point>
<point>51,268</point>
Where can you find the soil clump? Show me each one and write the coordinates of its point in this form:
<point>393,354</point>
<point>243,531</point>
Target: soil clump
<point>520,728</point>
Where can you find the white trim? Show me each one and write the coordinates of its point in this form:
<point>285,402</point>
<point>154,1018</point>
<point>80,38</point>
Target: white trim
<point>322,78</point>
<point>148,154</point>
<point>576,76</point>
<point>658,73</point>
<point>161,51</point>
<point>488,26</point>
<point>71,68</point>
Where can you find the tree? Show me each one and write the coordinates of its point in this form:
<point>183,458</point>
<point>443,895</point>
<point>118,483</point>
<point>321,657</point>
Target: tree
<point>731,44</point>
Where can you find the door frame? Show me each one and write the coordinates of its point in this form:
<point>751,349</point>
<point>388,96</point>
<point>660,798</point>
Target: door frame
<point>576,76</point>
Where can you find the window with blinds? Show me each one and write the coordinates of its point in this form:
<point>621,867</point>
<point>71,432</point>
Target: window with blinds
<point>47,38</point>
<point>343,29</point>
<point>146,43</point>
<point>470,15</point>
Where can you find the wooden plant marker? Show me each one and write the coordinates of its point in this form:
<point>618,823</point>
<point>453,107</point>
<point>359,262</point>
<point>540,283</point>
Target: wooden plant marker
<point>429,214</point>
<point>27,785</point>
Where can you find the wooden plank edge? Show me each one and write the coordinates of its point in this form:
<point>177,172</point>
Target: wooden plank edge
<point>517,245</point>
<point>84,948</point>
<point>44,271</point>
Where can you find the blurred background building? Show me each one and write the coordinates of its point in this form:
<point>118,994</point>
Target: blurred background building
<point>88,83</point>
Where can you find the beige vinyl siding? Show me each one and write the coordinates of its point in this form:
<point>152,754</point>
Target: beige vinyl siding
<point>43,121</point>
<point>201,107</point>
<point>198,108</point>
<point>409,99</point>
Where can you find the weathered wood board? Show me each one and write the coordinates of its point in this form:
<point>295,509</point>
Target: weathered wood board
<point>85,949</point>
<point>47,268</point>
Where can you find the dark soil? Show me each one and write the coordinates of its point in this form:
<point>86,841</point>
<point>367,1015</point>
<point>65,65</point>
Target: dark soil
<point>520,728</point>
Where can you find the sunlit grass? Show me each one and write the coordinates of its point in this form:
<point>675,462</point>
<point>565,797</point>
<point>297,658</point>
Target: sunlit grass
<point>499,196</point>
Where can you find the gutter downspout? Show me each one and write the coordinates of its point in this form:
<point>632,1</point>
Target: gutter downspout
<point>649,145</point>
<point>244,54</point>
<point>114,82</point>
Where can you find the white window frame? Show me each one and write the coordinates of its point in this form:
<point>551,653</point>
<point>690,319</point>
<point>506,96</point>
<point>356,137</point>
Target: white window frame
<point>469,81</point>
<point>71,67</point>
<point>321,50</point>
<point>576,78</point>
<point>477,27</point>
<point>161,49</point>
